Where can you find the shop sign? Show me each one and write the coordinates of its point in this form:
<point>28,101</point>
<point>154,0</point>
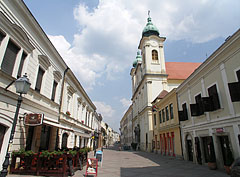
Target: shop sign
<point>219,130</point>
<point>34,119</point>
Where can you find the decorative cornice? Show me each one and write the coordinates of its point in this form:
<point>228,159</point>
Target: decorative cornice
<point>71,90</point>
<point>16,33</point>
<point>44,61</point>
<point>57,75</point>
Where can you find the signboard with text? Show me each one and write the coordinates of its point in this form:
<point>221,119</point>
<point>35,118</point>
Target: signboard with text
<point>34,119</point>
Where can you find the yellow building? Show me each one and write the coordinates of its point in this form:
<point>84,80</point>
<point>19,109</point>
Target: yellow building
<point>166,129</point>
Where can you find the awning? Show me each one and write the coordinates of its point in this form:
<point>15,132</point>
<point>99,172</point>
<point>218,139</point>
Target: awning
<point>55,124</point>
<point>82,134</point>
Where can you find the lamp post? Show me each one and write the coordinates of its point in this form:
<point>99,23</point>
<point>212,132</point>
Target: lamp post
<point>22,85</point>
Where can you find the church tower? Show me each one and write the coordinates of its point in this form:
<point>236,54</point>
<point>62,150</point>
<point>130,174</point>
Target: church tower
<point>148,79</point>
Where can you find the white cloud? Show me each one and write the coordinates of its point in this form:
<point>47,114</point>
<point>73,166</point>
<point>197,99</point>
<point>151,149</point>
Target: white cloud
<point>125,102</point>
<point>109,35</point>
<point>105,110</point>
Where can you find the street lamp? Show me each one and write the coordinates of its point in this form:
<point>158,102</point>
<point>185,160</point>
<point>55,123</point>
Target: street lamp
<point>22,85</point>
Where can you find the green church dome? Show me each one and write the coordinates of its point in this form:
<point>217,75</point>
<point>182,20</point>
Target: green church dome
<point>138,59</point>
<point>150,28</point>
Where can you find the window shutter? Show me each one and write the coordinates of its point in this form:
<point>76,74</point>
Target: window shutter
<point>238,75</point>
<point>199,107</point>
<point>9,58</point>
<point>212,92</point>
<point>185,113</point>
<point>39,79</point>
<point>234,89</point>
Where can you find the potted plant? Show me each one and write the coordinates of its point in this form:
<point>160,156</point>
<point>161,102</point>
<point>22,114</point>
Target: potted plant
<point>134,146</point>
<point>72,152</point>
<point>212,162</point>
<point>229,160</point>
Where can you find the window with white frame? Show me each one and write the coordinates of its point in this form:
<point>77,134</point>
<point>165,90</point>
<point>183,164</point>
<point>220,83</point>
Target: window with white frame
<point>9,58</point>
<point>39,79</point>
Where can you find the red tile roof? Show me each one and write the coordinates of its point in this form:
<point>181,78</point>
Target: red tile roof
<point>161,95</point>
<point>180,70</point>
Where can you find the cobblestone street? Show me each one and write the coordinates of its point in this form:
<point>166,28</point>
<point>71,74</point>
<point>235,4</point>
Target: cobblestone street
<point>141,164</point>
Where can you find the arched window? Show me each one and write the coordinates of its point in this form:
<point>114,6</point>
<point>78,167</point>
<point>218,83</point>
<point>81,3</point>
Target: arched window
<point>2,133</point>
<point>64,140</point>
<point>154,55</point>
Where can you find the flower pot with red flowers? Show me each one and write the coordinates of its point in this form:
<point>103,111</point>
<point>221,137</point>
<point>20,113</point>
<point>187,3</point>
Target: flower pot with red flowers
<point>212,165</point>
<point>68,113</point>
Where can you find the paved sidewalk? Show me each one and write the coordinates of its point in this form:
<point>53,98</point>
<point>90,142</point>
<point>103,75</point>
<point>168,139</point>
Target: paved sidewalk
<point>141,164</point>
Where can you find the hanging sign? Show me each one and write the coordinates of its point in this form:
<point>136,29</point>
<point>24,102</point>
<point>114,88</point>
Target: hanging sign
<point>220,130</point>
<point>34,119</point>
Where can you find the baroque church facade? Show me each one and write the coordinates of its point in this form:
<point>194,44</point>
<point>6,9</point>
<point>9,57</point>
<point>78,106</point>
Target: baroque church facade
<point>150,76</point>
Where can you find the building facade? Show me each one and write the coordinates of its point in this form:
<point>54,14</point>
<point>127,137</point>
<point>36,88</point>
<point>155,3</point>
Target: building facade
<point>208,103</point>
<point>150,75</point>
<point>54,93</point>
<point>166,127</point>
<point>126,128</point>
<point>77,115</point>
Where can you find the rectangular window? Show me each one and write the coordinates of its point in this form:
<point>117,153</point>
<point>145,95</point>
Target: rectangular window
<point>212,92</point>
<point>167,113</point>
<point>155,120</point>
<point>39,79</point>
<point>10,58</point>
<point>19,74</point>
<point>163,115</point>
<point>171,110</point>
<point>54,90</point>
<point>160,116</point>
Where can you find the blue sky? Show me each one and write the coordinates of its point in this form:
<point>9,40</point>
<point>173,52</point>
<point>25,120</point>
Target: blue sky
<point>99,39</point>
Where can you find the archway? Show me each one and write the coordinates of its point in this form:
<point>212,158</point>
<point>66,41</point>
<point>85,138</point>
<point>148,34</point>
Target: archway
<point>64,140</point>
<point>189,147</point>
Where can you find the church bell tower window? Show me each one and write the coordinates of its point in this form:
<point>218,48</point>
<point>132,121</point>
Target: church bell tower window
<point>154,56</point>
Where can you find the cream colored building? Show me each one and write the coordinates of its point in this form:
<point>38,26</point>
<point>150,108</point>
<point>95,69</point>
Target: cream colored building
<point>210,118</point>
<point>77,115</point>
<point>126,128</point>
<point>166,128</point>
<point>25,48</point>
<point>150,75</point>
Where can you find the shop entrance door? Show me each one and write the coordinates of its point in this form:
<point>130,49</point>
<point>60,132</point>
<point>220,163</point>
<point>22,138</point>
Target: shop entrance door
<point>198,150</point>
<point>226,150</point>
<point>29,138</point>
<point>190,150</point>
<point>45,137</point>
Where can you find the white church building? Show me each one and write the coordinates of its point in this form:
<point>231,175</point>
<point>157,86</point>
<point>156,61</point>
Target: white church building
<point>150,76</point>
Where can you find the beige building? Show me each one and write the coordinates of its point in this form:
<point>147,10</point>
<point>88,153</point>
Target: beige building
<point>166,128</point>
<point>126,128</point>
<point>209,102</point>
